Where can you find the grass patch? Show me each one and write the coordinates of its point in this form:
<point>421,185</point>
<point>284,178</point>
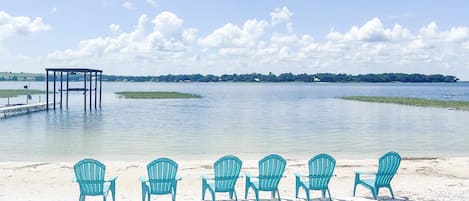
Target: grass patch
<point>7,93</point>
<point>458,105</point>
<point>155,95</point>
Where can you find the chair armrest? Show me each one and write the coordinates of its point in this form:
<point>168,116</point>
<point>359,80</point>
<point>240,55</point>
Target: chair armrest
<point>208,177</point>
<point>142,179</point>
<point>112,179</point>
<point>178,177</point>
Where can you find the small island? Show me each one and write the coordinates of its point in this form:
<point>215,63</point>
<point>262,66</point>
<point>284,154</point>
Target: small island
<point>156,95</point>
<point>456,105</point>
<point>8,93</point>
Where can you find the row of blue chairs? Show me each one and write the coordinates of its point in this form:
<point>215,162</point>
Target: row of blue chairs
<point>162,177</point>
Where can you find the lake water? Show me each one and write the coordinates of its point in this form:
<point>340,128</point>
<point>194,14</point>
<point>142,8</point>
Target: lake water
<point>247,119</point>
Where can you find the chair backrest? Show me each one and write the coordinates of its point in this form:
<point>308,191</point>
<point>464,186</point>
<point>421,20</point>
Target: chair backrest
<point>321,169</point>
<point>271,170</point>
<point>388,165</point>
<point>162,175</point>
<point>227,171</point>
<point>90,176</point>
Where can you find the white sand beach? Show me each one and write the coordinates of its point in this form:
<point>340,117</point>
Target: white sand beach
<point>417,179</point>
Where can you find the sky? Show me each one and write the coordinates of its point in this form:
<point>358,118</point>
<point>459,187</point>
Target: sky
<point>154,37</point>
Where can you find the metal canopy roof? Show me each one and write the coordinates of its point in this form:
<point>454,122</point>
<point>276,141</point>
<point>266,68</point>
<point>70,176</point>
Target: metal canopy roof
<point>73,70</point>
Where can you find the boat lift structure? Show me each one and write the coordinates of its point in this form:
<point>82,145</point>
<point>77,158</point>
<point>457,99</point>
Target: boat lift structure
<point>89,75</point>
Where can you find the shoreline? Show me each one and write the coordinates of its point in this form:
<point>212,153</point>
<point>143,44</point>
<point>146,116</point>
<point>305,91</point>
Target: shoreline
<point>418,178</point>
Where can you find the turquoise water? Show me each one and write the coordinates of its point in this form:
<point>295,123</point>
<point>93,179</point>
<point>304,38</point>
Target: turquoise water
<point>247,119</point>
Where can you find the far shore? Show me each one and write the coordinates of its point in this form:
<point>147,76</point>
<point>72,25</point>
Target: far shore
<point>418,178</point>
<point>319,82</point>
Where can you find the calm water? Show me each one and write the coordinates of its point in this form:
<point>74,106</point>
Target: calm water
<point>250,119</point>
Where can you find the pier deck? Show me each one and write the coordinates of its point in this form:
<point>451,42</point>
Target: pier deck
<point>22,109</point>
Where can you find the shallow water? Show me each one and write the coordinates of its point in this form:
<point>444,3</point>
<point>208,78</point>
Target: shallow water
<point>247,119</point>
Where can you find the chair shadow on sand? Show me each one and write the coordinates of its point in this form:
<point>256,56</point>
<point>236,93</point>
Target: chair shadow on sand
<point>370,198</point>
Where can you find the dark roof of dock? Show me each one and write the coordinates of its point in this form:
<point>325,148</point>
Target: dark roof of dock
<point>73,70</point>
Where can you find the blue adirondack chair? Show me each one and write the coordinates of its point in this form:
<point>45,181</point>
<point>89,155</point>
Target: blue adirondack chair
<point>162,179</point>
<point>89,174</point>
<point>271,170</point>
<point>388,165</point>
<point>321,169</point>
<point>227,171</point>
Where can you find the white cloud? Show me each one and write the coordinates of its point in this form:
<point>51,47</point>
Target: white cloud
<point>136,47</point>
<point>10,25</point>
<point>114,28</point>
<point>466,45</point>
<point>458,34</point>
<point>167,23</point>
<point>372,31</point>
<point>257,46</point>
<point>231,35</point>
<point>190,34</point>
<point>280,15</point>
<point>128,5</point>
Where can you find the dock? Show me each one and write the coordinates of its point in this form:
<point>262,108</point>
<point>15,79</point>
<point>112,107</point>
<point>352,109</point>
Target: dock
<point>9,111</point>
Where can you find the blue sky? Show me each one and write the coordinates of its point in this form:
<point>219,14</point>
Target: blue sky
<point>138,37</point>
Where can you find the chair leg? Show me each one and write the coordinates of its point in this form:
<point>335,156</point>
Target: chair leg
<point>354,189</point>
<point>357,179</point>
<point>113,190</point>
<point>246,191</point>
<point>144,191</point>
<point>235,194</point>
<point>82,197</point>
<point>204,188</point>
<point>390,190</point>
<point>296,190</point>
<point>278,194</point>
<point>374,191</point>
<point>272,194</point>
<point>329,193</point>
<point>323,193</point>
<point>104,197</point>
<point>213,196</point>
<point>307,194</point>
<point>231,195</point>
<point>257,195</point>
<point>175,186</point>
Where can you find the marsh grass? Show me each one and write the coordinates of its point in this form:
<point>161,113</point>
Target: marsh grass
<point>155,95</point>
<point>457,105</point>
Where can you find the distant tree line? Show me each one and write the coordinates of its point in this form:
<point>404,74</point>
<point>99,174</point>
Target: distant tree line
<point>287,77</point>
<point>257,77</point>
